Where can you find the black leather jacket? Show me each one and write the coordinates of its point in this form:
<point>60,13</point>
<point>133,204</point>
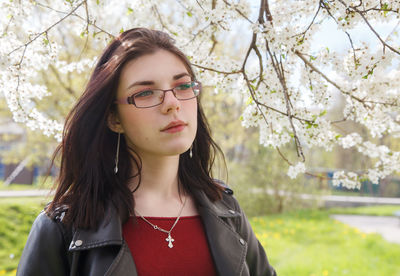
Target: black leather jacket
<point>53,249</point>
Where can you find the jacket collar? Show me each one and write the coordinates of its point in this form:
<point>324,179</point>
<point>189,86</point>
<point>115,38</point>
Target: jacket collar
<point>219,208</point>
<point>109,232</point>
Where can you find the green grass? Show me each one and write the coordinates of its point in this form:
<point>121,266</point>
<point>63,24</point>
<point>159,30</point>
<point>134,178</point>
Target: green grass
<point>306,242</point>
<point>311,243</point>
<point>16,218</point>
<point>381,210</point>
<point>40,183</point>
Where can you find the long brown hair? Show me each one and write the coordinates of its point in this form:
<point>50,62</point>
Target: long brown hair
<point>87,184</point>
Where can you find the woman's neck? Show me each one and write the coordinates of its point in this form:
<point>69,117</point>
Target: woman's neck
<point>158,193</point>
<point>159,175</point>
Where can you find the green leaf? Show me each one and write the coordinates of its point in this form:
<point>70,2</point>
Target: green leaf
<point>338,136</point>
<point>300,41</point>
<point>121,31</point>
<point>189,14</point>
<point>322,113</point>
<point>385,9</point>
<point>129,11</point>
<point>249,100</point>
<point>45,41</point>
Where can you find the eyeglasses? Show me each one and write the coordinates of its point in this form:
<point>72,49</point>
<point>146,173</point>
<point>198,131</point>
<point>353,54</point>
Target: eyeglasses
<point>153,97</point>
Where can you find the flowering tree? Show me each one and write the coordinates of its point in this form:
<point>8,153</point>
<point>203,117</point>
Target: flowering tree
<point>271,51</point>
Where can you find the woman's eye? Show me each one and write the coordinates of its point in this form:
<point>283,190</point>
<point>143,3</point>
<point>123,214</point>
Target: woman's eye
<point>144,93</point>
<point>184,86</point>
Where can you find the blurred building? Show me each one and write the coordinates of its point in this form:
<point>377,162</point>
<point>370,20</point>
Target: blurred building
<point>11,134</point>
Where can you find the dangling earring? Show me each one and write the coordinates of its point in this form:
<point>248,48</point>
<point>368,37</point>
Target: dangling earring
<point>191,151</point>
<point>117,154</point>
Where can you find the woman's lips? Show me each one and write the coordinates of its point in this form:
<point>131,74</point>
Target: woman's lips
<point>174,129</point>
<point>174,126</point>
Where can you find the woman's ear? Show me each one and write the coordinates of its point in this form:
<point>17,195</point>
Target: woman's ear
<point>114,123</point>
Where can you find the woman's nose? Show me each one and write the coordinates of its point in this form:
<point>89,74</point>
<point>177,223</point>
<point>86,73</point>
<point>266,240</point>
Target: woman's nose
<point>170,102</point>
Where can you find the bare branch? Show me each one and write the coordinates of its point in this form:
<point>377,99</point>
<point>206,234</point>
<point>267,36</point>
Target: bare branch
<point>279,70</point>
<point>217,71</point>
<point>278,67</point>
<point>61,82</point>
<point>7,26</point>
<point>283,156</point>
<point>352,47</point>
<point>377,35</point>
<point>155,10</point>
<point>239,12</point>
<point>362,14</point>
<point>312,22</point>
<point>213,38</point>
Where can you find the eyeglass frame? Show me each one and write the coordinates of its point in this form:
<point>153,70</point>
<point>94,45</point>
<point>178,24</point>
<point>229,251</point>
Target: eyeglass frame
<point>131,99</point>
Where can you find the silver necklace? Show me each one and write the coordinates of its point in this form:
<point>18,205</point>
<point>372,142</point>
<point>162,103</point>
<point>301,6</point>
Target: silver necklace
<point>169,239</point>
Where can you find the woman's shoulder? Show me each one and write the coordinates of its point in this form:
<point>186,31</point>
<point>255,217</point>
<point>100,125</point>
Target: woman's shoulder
<point>47,238</point>
<point>50,221</point>
<point>56,214</point>
<point>49,226</point>
<point>228,197</point>
<point>226,189</point>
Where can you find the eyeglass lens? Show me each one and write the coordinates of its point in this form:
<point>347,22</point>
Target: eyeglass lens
<point>152,97</point>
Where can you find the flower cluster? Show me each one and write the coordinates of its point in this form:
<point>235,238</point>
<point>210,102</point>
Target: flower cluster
<point>298,88</point>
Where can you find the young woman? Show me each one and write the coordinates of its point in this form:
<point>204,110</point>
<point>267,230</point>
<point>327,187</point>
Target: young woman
<point>135,194</point>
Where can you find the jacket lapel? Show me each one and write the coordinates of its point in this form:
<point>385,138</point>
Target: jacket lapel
<point>227,247</point>
<point>109,232</point>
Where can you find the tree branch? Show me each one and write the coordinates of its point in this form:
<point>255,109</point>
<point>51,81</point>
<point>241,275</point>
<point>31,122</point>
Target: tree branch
<point>362,14</point>
<point>217,71</point>
<point>301,56</point>
<point>48,29</point>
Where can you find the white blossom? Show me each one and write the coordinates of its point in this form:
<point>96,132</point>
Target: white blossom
<point>293,171</point>
<point>350,140</point>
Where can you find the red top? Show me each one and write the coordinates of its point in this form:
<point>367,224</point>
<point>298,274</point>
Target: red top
<point>190,254</point>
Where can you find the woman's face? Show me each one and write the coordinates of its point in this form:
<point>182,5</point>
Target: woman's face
<point>147,130</point>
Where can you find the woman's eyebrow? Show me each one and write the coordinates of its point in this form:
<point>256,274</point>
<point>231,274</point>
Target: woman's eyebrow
<point>150,82</point>
<point>146,82</point>
<point>176,77</point>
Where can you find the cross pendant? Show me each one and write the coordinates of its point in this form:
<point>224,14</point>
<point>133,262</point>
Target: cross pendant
<point>170,240</point>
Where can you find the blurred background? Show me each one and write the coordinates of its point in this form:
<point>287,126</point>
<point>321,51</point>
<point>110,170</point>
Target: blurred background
<point>307,225</point>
